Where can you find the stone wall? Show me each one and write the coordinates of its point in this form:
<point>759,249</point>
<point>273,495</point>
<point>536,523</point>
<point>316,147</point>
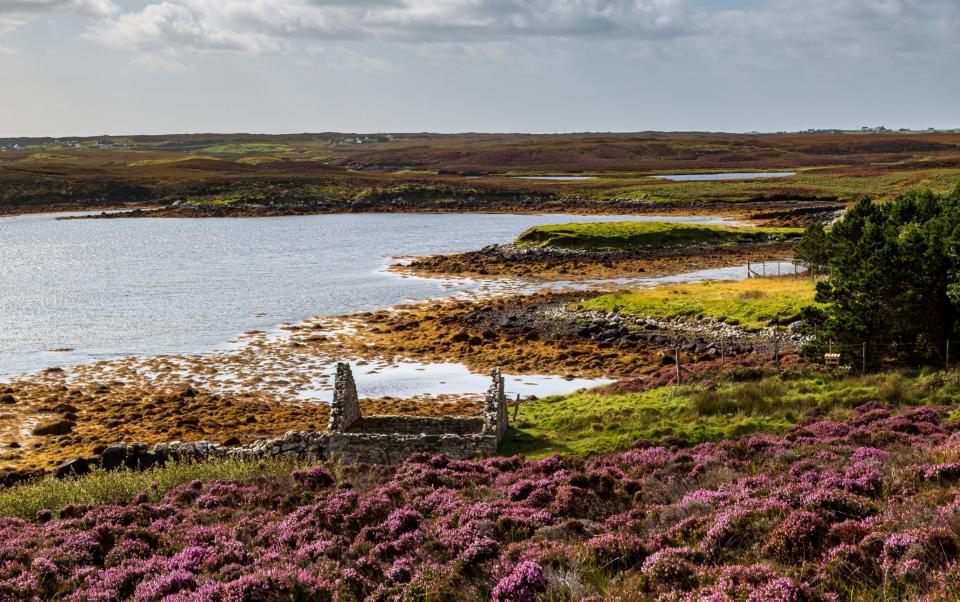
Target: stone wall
<point>345,407</point>
<point>416,425</point>
<point>349,437</point>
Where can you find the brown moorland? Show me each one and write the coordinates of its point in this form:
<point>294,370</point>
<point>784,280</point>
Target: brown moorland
<point>214,174</point>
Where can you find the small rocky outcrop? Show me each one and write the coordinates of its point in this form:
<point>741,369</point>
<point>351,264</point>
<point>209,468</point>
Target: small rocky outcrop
<point>57,426</point>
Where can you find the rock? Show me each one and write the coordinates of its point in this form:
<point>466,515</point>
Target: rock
<point>58,426</point>
<point>8,399</point>
<point>231,442</point>
<point>14,477</point>
<point>74,467</point>
<point>113,457</point>
<point>64,408</point>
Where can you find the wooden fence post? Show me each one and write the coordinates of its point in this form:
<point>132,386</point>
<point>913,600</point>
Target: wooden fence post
<point>948,355</point>
<point>676,359</point>
<point>722,355</point>
<point>776,351</point>
<point>516,407</point>
<point>864,368</point>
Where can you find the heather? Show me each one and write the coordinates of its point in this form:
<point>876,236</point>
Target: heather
<point>859,507</point>
<point>720,403</point>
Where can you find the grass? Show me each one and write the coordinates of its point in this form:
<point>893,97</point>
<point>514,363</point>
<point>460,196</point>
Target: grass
<point>102,486</point>
<point>754,303</point>
<point>251,147</point>
<point>151,162</point>
<point>581,423</point>
<point>592,423</point>
<point>639,235</point>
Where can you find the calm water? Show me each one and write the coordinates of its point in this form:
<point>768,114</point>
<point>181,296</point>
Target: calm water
<point>109,288</point>
<point>713,177</point>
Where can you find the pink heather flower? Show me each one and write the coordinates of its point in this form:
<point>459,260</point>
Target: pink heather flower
<point>670,567</point>
<point>315,476</point>
<point>522,584</point>
<point>783,590</point>
<point>403,520</point>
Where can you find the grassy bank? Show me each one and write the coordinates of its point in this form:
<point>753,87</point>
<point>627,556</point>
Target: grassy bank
<point>754,303</point>
<point>102,487</point>
<point>589,423</point>
<point>641,235</point>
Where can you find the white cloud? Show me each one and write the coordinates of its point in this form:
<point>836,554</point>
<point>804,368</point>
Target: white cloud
<point>14,13</point>
<point>178,27</point>
<point>162,35</point>
<point>167,33</point>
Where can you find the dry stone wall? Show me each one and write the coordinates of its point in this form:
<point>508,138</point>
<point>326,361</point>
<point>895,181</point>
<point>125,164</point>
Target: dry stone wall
<point>349,437</point>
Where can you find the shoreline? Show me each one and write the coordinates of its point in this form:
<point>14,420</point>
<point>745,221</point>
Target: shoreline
<point>267,384</point>
<point>545,265</point>
<point>772,212</point>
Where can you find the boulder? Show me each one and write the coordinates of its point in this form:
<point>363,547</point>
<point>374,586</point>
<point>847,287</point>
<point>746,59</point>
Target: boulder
<point>8,399</point>
<point>114,456</point>
<point>75,467</point>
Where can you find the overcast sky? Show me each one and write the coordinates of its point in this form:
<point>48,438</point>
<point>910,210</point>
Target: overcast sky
<point>88,67</point>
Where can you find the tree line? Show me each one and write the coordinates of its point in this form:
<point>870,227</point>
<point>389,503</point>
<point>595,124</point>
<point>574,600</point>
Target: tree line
<point>892,276</point>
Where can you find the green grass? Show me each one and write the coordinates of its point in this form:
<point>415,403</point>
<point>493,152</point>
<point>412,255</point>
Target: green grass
<point>639,235</point>
<point>590,423</point>
<point>103,487</point>
<point>823,183</point>
<point>254,147</point>
<point>754,303</point>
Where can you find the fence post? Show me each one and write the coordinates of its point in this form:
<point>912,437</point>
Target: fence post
<point>722,355</point>
<point>748,269</point>
<point>948,355</point>
<point>676,359</point>
<point>516,407</point>
<point>776,350</point>
<point>864,368</point>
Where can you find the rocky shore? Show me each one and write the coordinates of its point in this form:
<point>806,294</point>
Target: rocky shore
<point>534,263</point>
<point>780,212</point>
<point>544,333</point>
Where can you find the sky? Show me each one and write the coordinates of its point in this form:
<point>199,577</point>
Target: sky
<point>93,67</point>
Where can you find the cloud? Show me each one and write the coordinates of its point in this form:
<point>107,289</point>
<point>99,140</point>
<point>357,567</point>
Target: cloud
<point>843,29</point>
<point>179,27</point>
<point>15,13</point>
<point>169,32</point>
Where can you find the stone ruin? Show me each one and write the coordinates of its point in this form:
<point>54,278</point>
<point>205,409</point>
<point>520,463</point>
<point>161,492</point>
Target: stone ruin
<point>350,436</point>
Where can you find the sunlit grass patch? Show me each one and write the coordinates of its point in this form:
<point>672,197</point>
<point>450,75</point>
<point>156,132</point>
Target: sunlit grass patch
<point>252,147</point>
<point>589,422</point>
<point>754,303</point>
